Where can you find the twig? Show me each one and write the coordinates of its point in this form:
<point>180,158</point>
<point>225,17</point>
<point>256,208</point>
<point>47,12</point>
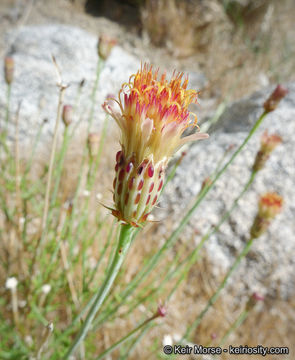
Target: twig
<point>44,341</point>
<point>62,88</point>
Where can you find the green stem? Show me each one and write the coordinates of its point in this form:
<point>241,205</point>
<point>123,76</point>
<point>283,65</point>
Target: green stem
<point>126,236</point>
<point>192,258</point>
<point>125,338</point>
<point>241,318</point>
<point>136,341</point>
<point>109,238</point>
<point>7,115</point>
<point>215,296</point>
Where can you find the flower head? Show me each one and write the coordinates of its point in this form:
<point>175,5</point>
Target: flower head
<point>268,144</point>
<point>269,206</point>
<point>153,117</point>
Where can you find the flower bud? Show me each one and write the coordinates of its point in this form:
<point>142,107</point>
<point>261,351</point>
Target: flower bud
<point>153,116</point>
<point>273,101</point>
<point>93,144</point>
<point>268,144</point>
<point>67,115</point>
<point>8,69</point>
<point>253,300</point>
<point>206,183</point>
<point>105,45</point>
<point>162,311</point>
<point>269,206</point>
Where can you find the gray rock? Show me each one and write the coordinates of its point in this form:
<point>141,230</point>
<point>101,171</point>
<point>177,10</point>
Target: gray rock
<point>242,114</point>
<point>76,53</point>
<point>270,265</point>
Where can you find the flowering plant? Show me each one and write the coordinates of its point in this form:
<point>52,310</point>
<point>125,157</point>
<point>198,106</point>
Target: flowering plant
<point>153,117</point>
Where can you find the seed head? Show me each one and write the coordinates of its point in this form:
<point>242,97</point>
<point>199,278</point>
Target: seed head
<point>152,118</point>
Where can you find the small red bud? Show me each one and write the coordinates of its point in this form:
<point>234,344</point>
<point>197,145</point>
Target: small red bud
<point>162,311</point>
<point>257,297</point>
<point>273,101</point>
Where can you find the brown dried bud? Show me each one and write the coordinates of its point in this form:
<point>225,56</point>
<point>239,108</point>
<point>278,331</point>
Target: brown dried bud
<point>8,69</point>
<point>273,101</point>
<point>93,144</point>
<point>268,144</point>
<point>67,115</point>
<point>270,205</point>
<point>105,45</point>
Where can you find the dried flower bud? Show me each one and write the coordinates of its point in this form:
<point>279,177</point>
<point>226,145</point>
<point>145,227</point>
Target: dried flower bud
<point>8,69</point>
<point>253,300</point>
<point>153,114</point>
<point>67,115</point>
<point>93,144</point>
<point>105,45</point>
<point>270,205</point>
<point>268,144</point>
<point>273,101</point>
